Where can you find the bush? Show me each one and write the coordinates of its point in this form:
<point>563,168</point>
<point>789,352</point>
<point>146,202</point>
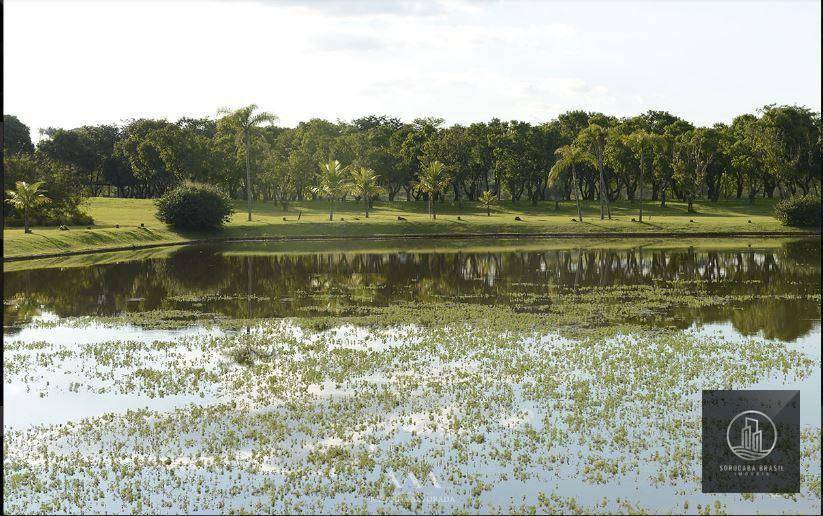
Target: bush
<point>49,216</point>
<point>194,206</point>
<point>800,211</point>
<point>61,187</point>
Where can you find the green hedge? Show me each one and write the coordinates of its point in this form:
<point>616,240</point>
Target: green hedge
<point>800,211</point>
<point>194,206</point>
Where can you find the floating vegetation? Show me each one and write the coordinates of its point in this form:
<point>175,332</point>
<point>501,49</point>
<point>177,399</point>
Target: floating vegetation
<point>320,421</point>
<point>564,399</point>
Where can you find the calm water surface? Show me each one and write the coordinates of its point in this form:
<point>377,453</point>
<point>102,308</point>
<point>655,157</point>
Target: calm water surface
<point>773,292</point>
<point>207,279</point>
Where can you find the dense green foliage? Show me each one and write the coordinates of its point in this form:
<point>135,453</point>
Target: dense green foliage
<point>26,197</point>
<point>800,211</point>
<point>655,155</point>
<point>16,136</point>
<point>194,206</point>
<point>60,183</point>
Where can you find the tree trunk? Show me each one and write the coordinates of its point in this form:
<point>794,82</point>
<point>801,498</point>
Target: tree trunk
<point>26,220</point>
<point>331,209</point>
<point>576,195</point>
<point>663,196</point>
<point>248,175</point>
<point>367,206</point>
<point>604,196</point>
<point>642,166</point>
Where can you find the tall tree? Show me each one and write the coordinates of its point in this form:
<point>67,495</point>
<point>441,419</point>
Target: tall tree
<point>83,149</point>
<point>621,158</point>
<point>451,147</point>
<point>16,136</point>
<point>412,148</point>
<point>746,155</point>
<point>643,144</point>
<point>694,152</point>
<point>278,178</point>
<point>791,139</point>
<point>569,157</point>
<point>594,137</point>
<point>139,150</point>
<point>665,156</point>
<point>247,122</point>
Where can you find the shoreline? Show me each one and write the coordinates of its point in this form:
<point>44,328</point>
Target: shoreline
<point>433,236</point>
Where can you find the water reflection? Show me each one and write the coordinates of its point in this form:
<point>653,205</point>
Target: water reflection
<point>269,285</point>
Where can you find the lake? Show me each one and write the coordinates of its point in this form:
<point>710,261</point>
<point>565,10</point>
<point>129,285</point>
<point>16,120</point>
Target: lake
<point>547,375</point>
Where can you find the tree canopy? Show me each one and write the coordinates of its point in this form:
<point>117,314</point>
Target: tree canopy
<point>775,151</point>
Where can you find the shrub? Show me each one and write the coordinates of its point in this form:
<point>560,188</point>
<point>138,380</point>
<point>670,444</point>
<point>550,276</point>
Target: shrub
<point>800,211</point>
<point>61,187</point>
<point>194,206</point>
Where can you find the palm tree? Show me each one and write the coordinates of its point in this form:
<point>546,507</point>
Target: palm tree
<point>594,137</point>
<point>487,199</point>
<point>568,157</point>
<point>431,180</point>
<point>364,184</point>
<point>26,197</point>
<point>333,183</point>
<point>246,123</point>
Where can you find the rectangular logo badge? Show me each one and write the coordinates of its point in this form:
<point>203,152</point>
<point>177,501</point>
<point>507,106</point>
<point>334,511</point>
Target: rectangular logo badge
<point>751,441</point>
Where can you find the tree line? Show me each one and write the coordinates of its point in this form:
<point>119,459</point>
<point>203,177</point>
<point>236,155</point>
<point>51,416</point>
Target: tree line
<point>579,155</point>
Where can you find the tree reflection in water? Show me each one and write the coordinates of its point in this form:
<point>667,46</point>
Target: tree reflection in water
<point>279,285</point>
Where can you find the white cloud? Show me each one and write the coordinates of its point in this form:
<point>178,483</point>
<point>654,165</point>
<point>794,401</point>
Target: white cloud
<point>72,63</point>
<point>361,8</point>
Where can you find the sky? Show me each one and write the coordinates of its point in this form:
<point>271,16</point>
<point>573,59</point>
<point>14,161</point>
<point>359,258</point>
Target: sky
<point>68,64</point>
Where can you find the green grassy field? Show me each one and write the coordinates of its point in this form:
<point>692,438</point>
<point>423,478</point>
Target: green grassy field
<point>269,220</point>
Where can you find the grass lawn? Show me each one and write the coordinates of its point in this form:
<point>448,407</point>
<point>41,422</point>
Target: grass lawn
<point>268,221</point>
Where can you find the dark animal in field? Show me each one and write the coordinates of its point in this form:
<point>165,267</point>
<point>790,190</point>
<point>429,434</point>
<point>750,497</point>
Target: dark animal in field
<point>750,222</point>
<point>458,217</point>
<point>518,218</point>
<point>284,218</point>
<point>142,225</point>
<point>691,220</point>
<point>574,220</point>
<point>401,218</point>
<point>117,226</point>
<point>634,220</point>
<point>63,228</point>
